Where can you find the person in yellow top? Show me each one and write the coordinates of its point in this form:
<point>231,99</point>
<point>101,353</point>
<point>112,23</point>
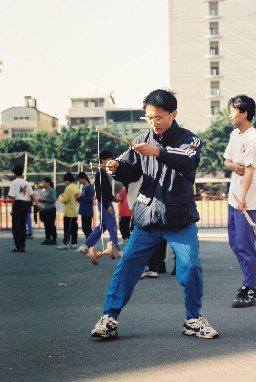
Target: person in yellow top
<point>70,211</point>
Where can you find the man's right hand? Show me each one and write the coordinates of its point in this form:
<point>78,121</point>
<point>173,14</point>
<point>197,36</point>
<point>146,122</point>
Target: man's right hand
<point>239,168</point>
<point>112,166</point>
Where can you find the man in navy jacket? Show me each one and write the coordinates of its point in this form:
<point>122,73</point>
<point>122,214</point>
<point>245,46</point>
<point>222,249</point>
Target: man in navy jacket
<point>166,157</point>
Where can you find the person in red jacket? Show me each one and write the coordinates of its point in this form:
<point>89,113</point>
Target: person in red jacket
<point>125,214</point>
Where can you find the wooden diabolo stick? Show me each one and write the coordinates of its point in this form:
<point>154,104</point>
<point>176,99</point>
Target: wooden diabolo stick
<point>247,216</point>
<point>113,136</point>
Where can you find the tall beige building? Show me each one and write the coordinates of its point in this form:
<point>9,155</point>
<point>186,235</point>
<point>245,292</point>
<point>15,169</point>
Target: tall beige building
<point>212,56</point>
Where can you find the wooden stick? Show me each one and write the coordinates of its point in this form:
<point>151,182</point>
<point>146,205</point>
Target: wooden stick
<point>97,165</point>
<point>113,136</point>
<point>247,216</point>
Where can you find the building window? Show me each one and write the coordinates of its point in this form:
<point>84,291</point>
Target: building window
<point>21,133</point>
<point>214,29</point>
<point>6,131</point>
<point>21,117</point>
<point>86,103</point>
<point>214,48</point>
<point>215,107</point>
<point>16,118</point>
<point>95,121</point>
<point>26,118</point>
<point>214,68</point>
<point>215,88</point>
<point>213,8</point>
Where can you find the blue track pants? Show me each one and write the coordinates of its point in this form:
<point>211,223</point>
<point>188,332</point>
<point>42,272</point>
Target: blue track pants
<point>140,248</point>
<point>242,243</point>
<point>107,222</point>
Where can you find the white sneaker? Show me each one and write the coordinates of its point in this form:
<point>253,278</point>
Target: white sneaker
<point>151,274</point>
<point>73,246</point>
<point>105,327</point>
<point>63,247</point>
<point>84,249</point>
<point>199,327</point>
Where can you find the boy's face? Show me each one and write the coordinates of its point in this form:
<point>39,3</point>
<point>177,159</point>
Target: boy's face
<point>104,161</point>
<point>159,119</point>
<point>237,118</point>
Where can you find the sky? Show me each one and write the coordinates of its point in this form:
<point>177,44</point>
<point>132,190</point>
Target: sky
<point>53,50</point>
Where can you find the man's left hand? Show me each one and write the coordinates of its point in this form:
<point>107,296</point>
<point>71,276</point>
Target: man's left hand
<point>242,206</point>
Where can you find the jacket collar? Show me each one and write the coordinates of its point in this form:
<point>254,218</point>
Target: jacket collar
<point>168,134</point>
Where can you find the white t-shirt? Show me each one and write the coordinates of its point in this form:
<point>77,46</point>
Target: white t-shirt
<point>242,148</point>
<point>20,189</point>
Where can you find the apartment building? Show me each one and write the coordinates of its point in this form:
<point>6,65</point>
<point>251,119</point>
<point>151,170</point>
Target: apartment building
<point>212,56</point>
<point>20,121</point>
<point>89,111</point>
<point>126,121</point>
<point>101,111</point>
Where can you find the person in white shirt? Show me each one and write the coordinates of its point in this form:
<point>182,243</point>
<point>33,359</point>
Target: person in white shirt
<point>240,158</point>
<point>19,192</point>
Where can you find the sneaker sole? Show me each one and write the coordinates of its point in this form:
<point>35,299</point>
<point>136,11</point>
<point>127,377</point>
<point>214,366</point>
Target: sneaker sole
<point>243,305</point>
<point>109,335</point>
<point>198,334</point>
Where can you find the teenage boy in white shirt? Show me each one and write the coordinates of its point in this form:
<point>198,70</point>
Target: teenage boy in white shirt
<point>19,192</point>
<point>240,158</point>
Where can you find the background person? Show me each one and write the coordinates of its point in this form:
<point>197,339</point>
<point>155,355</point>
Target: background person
<point>105,199</point>
<point>37,193</point>
<point>85,201</point>
<point>240,158</point>
<point>125,214</point>
<point>47,203</point>
<point>70,211</point>
<point>29,233</point>
<point>19,192</point>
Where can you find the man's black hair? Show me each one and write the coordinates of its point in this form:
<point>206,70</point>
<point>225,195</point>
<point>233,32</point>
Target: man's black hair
<point>243,103</point>
<point>68,176</point>
<point>82,175</point>
<point>161,98</point>
<point>17,170</point>
<point>105,154</point>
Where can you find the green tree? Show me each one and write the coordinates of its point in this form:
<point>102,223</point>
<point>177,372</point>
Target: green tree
<point>215,140</point>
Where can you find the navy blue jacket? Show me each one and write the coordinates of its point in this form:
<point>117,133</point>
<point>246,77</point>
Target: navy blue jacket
<point>103,188</point>
<point>86,201</point>
<point>166,196</point>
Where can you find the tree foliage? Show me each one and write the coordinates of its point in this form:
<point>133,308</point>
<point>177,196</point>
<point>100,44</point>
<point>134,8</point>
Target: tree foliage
<point>69,146</point>
<point>215,140</point>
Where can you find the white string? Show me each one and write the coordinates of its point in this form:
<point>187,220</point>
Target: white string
<point>101,209</point>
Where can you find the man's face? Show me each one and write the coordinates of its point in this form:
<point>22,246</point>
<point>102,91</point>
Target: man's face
<point>159,119</point>
<point>237,118</point>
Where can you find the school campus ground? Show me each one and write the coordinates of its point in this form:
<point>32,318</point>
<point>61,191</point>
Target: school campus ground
<point>50,301</point>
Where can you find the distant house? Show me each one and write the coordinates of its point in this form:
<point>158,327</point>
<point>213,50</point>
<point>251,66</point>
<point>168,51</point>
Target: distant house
<point>20,121</point>
<point>100,111</point>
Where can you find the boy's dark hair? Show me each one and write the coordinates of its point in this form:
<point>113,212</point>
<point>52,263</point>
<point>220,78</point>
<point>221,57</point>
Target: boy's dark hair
<point>105,154</point>
<point>243,103</point>
<point>82,175</point>
<point>17,170</point>
<point>161,98</point>
<point>36,183</point>
<point>48,180</point>
<point>68,176</point>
